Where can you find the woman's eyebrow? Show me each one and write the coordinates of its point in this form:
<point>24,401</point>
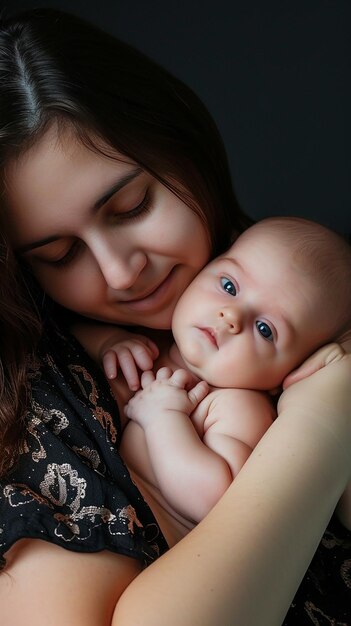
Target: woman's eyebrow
<point>122,182</point>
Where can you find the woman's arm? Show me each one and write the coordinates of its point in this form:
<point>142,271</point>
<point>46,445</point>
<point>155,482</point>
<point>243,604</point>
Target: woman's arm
<point>315,362</point>
<point>44,584</point>
<point>243,563</point>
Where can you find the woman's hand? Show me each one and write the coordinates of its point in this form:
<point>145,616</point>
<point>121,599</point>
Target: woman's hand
<point>137,353</point>
<point>116,348</point>
<point>326,355</point>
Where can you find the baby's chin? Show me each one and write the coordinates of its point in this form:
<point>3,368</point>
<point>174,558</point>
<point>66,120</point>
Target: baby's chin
<point>210,377</point>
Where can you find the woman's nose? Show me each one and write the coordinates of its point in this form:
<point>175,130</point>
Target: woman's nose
<point>231,318</point>
<point>120,268</point>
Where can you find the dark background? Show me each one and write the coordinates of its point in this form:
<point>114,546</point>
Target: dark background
<point>275,76</point>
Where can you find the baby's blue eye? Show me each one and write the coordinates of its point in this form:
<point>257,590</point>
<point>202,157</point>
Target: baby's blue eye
<point>228,286</point>
<point>264,330</point>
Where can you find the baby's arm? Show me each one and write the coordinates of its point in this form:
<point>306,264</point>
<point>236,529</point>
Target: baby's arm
<point>236,421</point>
<point>188,474</point>
<point>191,476</point>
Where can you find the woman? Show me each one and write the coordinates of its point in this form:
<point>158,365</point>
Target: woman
<point>115,192</point>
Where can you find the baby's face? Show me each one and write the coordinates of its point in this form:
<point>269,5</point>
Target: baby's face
<point>250,317</point>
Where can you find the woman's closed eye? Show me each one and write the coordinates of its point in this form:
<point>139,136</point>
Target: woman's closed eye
<point>138,211</point>
<point>69,256</point>
<point>117,216</point>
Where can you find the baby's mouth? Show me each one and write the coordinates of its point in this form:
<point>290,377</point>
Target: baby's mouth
<point>211,335</point>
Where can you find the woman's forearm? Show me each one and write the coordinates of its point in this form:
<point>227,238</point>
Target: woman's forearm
<point>94,335</point>
<point>243,563</point>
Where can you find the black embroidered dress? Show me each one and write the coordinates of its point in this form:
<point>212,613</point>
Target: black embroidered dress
<point>70,486</point>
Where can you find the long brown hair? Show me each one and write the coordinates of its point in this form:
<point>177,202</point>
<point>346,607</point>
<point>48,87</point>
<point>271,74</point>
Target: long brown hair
<point>19,332</point>
<point>55,66</point>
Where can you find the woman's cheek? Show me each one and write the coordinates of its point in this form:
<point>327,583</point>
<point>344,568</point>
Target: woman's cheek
<point>72,290</point>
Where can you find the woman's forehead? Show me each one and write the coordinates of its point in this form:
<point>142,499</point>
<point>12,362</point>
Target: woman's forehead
<point>62,141</point>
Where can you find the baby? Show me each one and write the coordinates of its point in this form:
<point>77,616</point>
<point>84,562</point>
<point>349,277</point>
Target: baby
<point>246,321</point>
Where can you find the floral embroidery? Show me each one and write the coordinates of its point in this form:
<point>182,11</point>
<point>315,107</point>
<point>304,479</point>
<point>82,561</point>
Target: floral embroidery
<point>319,618</point>
<point>61,482</point>
<point>18,494</point>
<point>36,416</point>
<point>345,572</point>
<point>89,456</point>
<point>101,415</point>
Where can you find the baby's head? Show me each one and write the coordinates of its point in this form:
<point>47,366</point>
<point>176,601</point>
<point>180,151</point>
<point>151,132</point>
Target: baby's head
<point>320,256</point>
<point>256,312</point>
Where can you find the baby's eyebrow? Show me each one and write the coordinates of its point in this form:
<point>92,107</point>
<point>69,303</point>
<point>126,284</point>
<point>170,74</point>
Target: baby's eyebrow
<point>233,262</point>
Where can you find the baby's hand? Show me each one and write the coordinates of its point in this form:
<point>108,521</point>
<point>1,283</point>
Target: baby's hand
<point>129,355</point>
<point>164,393</point>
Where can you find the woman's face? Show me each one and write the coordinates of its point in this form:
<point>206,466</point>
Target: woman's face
<point>104,238</point>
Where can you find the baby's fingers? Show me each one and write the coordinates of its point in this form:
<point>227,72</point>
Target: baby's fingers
<point>143,356</point>
<point>147,378</point>
<point>198,393</point>
<point>181,378</point>
<point>154,351</point>
<point>109,363</point>
<point>164,373</point>
<point>125,360</point>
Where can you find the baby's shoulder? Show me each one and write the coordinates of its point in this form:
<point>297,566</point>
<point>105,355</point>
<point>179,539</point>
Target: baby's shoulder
<point>239,404</point>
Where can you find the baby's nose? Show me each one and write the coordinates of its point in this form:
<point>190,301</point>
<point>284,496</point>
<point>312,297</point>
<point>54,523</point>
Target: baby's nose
<point>231,318</point>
